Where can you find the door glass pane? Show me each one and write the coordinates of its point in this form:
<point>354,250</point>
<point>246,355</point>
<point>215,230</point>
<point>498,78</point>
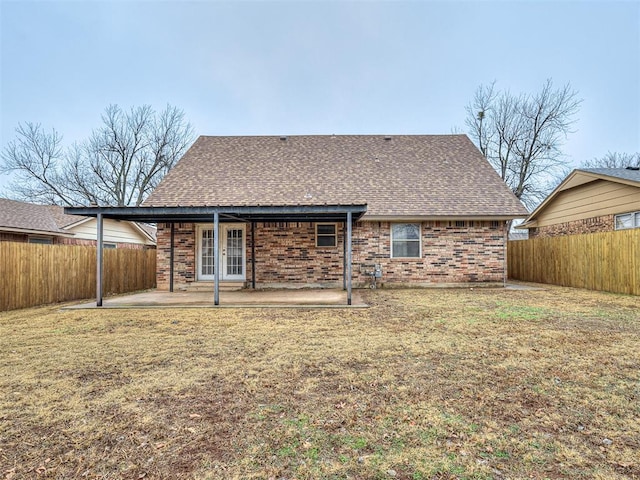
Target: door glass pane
<point>234,252</point>
<point>206,252</point>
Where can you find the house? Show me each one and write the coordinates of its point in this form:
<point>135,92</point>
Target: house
<point>48,224</point>
<point>328,211</point>
<point>435,210</point>
<point>587,201</point>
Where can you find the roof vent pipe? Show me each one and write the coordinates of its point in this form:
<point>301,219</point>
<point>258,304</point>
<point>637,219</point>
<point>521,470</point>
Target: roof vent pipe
<point>387,137</point>
<point>283,138</point>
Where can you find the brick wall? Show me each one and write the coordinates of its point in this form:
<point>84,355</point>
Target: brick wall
<point>588,225</point>
<point>184,256</point>
<point>450,254</point>
<point>13,237</point>
<point>286,255</point>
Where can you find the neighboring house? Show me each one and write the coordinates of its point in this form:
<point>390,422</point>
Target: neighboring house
<point>518,235</point>
<point>48,224</point>
<point>588,201</point>
<point>426,209</point>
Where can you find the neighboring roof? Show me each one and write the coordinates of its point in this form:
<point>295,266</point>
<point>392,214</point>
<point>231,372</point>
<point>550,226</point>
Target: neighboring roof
<point>631,174</point>
<point>400,175</point>
<point>49,220</point>
<point>149,230</point>
<point>61,219</point>
<point>627,176</point>
<point>28,217</point>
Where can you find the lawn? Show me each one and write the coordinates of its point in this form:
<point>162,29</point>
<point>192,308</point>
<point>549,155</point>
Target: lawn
<point>425,384</point>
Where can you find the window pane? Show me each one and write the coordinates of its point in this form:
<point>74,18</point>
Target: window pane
<point>406,249</point>
<point>326,241</point>
<point>637,219</point>
<point>624,221</point>
<point>40,240</point>
<point>405,231</point>
<point>326,229</point>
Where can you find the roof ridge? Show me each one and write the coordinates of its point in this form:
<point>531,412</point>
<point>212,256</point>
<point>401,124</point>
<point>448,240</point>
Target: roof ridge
<point>338,135</point>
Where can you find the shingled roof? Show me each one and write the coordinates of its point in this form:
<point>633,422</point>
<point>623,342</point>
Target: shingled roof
<point>396,176</point>
<point>30,217</point>
<point>629,173</point>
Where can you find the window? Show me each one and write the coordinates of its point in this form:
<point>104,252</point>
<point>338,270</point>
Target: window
<point>41,240</point>
<point>326,235</point>
<point>405,240</point>
<point>627,220</point>
<point>108,245</point>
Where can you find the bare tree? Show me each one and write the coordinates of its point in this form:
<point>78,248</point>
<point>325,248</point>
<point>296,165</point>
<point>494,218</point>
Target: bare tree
<point>522,136</point>
<point>119,165</point>
<point>614,160</point>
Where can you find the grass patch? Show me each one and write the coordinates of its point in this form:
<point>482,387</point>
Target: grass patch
<point>468,384</point>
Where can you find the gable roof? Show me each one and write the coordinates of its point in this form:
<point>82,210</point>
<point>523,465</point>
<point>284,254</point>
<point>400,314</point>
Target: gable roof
<point>396,176</point>
<point>49,220</point>
<point>577,177</point>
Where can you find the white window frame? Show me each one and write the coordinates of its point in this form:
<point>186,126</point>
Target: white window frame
<point>109,245</point>
<point>634,217</point>
<point>334,235</point>
<point>419,238</point>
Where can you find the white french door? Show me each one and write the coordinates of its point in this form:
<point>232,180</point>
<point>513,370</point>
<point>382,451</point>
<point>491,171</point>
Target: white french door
<point>232,252</point>
<point>232,247</point>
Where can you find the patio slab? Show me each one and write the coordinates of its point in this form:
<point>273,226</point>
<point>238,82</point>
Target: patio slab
<point>286,298</point>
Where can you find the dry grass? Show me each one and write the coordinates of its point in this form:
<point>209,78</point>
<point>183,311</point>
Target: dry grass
<point>431,384</point>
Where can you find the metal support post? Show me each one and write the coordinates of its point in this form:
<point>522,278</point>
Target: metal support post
<point>348,258</point>
<point>171,247</point>
<point>99,260</point>
<point>216,259</point>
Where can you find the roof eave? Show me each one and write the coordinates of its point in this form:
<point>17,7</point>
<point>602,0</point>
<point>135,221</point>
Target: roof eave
<point>387,218</point>
<point>206,213</point>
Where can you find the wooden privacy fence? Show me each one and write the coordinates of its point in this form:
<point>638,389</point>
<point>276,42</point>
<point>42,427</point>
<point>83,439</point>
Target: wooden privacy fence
<point>32,274</point>
<point>606,261</point>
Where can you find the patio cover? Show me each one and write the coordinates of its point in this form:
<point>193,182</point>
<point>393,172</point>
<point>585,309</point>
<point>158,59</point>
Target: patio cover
<point>245,213</point>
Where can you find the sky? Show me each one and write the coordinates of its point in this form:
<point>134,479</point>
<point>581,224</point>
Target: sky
<point>323,67</point>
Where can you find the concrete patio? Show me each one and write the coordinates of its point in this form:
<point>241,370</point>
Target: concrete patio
<point>269,298</point>
<point>248,298</point>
